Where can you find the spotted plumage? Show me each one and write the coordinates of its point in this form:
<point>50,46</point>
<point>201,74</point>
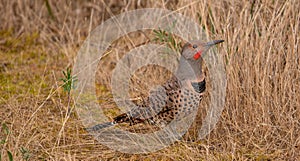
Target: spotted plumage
<point>177,98</point>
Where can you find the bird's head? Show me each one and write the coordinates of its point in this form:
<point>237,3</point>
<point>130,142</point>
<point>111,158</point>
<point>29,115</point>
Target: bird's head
<point>193,50</point>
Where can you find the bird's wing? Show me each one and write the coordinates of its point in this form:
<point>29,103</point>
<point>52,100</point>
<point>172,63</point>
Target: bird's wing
<point>158,101</point>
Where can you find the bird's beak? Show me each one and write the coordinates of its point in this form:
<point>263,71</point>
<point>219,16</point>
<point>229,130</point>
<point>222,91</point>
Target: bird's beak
<point>214,42</point>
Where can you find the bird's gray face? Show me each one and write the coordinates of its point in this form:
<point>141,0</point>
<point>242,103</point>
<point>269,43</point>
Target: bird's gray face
<point>193,50</point>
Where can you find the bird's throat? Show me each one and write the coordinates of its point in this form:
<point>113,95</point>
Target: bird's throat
<point>190,70</point>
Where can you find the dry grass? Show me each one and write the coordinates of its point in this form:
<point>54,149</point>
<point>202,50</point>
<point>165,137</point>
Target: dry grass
<point>261,117</point>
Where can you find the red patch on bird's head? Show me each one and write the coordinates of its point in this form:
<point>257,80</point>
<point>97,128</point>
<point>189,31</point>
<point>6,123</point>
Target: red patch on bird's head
<point>197,55</point>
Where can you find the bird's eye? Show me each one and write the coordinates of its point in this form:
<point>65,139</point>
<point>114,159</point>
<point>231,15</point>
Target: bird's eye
<point>195,46</point>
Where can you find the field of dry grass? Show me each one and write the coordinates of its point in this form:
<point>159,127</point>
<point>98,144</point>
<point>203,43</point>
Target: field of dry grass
<point>261,118</point>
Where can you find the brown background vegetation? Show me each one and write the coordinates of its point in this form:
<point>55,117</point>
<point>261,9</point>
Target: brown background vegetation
<point>39,39</point>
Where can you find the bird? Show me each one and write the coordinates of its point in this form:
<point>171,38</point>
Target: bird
<point>177,98</point>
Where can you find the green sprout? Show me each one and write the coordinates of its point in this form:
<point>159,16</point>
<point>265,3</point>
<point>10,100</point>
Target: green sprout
<point>25,153</point>
<point>68,85</point>
<point>167,38</point>
<point>6,131</point>
<point>68,80</point>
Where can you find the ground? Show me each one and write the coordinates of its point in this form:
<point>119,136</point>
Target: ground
<point>40,39</point>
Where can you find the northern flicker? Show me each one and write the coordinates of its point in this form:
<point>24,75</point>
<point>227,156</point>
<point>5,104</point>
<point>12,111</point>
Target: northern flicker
<point>182,93</point>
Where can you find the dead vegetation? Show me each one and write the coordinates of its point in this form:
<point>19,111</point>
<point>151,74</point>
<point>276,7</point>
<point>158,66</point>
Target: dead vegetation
<point>39,39</point>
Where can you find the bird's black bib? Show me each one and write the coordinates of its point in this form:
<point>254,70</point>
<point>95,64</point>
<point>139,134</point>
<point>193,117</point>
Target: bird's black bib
<point>199,86</point>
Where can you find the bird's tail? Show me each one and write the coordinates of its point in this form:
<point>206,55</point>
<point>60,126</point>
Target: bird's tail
<point>123,118</point>
<point>100,126</point>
